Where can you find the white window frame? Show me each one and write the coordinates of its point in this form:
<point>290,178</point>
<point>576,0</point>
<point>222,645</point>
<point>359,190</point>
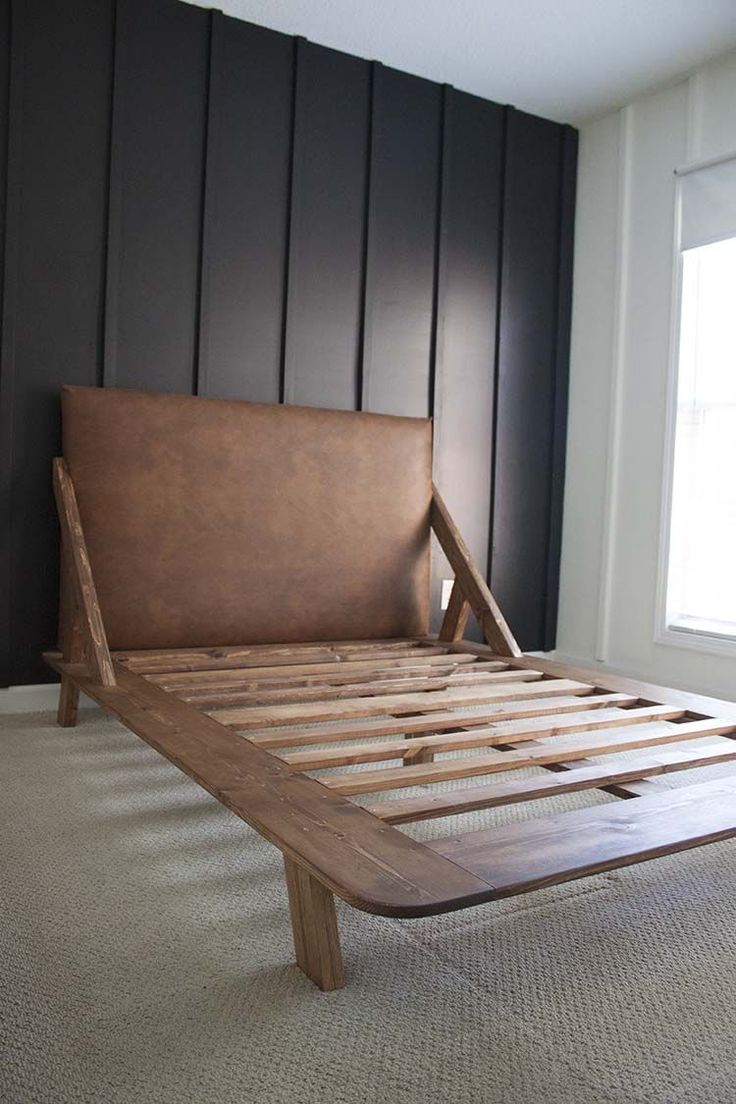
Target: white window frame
<point>690,639</point>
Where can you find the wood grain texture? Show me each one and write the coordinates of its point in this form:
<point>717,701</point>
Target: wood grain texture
<point>697,704</point>
<point>71,641</point>
<point>350,684</point>
<point>257,718</point>
<point>499,735</point>
<point>332,845</point>
<point>521,857</point>
<point>435,722</point>
<point>602,743</point>
<point>471,582</point>
<point>594,776</point>
<point>314,927</point>
<point>79,570</point>
<point>371,866</point>
<point>288,669</point>
<point>321,693</point>
<point>206,662</point>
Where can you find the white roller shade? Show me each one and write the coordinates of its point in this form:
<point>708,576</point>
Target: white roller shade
<point>708,205</point>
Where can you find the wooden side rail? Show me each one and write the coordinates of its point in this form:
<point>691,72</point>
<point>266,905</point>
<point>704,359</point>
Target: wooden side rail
<point>470,591</point>
<point>371,867</point>
<point>520,857</point>
<point>329,839</point>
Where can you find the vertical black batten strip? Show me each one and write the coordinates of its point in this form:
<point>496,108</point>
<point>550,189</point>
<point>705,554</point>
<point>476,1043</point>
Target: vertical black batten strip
<point>114,205</point>
<point>497,345</point>
<point>100,373</point>
<point>368,280</point>
<point>436,347</point>
<point>7,343</point>
<point>201,337</point>
<point>565,256</point>
<point>286,384</point>
<point>364,255</point>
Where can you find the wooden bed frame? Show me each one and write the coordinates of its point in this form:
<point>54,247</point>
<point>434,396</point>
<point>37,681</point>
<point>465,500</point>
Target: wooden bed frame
<point>246,720</point>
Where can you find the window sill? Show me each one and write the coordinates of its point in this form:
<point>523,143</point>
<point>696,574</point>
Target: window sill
<point>697,639</point>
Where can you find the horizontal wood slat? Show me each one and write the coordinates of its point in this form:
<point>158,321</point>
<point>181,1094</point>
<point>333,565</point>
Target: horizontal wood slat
<point>698,704</point>
<point>244,654</point>
<point>564,748</point>
<point>427,658</point>
<point>520,857</point>
<point>378,675</point>
<point>436,722</point>
<point>371,866</point>
<point>596,775</point>
<point>399,703</point>
<point>512,732</point>
<point>284,657</point>
<point>219,699</point>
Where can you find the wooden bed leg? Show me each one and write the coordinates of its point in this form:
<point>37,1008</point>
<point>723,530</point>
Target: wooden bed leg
<point>71,644</point>
<point>314,926</point>
<point>66,714</point>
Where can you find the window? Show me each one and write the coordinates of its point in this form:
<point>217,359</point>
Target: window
<point>697,604</point>
<point>701,579</point>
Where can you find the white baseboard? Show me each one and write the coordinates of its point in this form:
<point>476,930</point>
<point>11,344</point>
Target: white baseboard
<point>35,699</point>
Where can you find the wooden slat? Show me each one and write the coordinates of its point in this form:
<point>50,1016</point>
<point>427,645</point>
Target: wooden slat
<point>514,732</point>
<point>220,699</point>
<point>694,704</point>
<point>131,657</point>
<point>369,864</point>
<point>396,678</point>
<point>473,585</point>
<point>397,703</point>
<point>647,691</point>
<point>604,743</point>
<point>428,658</point>
<point>269,655</point>
<point>520,857</point>
<point>594,776</point>
<point>436,722</point>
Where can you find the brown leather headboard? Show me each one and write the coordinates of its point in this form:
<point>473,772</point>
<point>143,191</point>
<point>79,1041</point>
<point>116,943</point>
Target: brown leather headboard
<point>215,522</point>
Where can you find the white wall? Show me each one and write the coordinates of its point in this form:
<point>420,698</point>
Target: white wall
<point>620,366</point>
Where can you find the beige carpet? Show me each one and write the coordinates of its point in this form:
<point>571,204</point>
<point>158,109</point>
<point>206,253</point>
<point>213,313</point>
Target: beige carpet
<point>145,958</point>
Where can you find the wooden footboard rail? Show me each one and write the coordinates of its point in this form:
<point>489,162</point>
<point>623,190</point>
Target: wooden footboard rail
<point>315,745</point>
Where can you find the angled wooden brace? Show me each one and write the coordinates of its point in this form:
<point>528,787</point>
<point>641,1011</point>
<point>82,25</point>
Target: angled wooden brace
<point>470,590</point>
<point>82,636</point>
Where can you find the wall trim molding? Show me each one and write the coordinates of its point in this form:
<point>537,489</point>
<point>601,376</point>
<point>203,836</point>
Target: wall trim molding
<point>618,364</point>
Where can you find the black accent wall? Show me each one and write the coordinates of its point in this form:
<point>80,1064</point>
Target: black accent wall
<point>196,204</point>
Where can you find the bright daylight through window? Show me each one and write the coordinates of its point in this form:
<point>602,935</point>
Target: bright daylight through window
<point>701,585</point>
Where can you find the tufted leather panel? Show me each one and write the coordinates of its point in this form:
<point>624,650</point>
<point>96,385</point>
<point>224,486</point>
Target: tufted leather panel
<point>211,521</point>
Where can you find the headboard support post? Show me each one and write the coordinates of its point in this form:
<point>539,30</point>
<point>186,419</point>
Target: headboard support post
<point>470,585</point>
<point>82,633</point>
